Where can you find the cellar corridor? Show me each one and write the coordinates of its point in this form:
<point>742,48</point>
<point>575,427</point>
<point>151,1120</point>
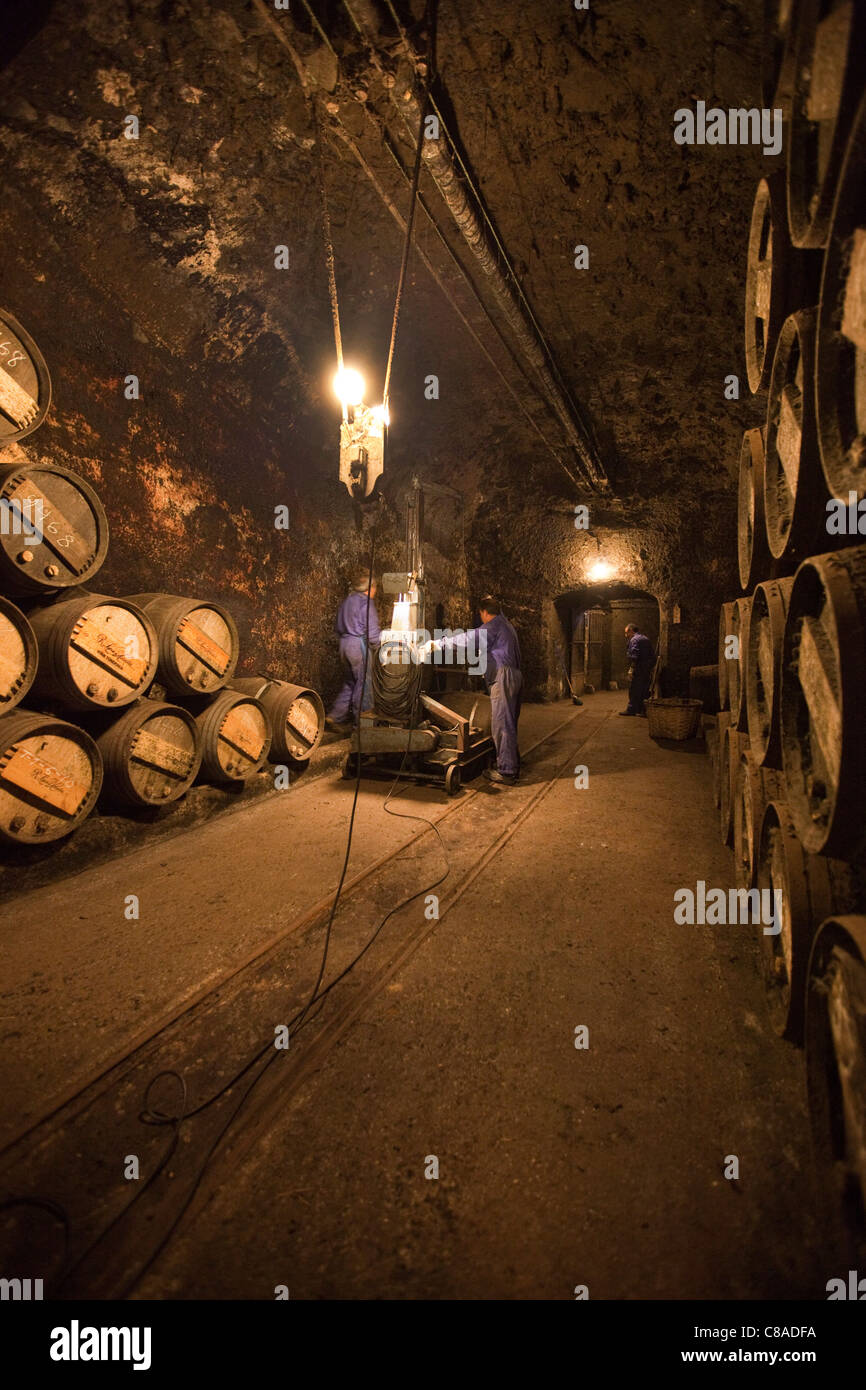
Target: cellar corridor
<point>559,1165</point>
<point>432,669</point>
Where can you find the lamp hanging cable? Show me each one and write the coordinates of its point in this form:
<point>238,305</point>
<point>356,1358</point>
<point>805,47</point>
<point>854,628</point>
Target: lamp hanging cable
<point>329,244</point>
<point>413,199</point>
<point>407,243</point>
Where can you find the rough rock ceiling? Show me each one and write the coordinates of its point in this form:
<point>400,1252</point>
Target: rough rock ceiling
<point>565,119</point>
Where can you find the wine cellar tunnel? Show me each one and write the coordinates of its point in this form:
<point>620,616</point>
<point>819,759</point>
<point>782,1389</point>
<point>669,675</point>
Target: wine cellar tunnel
<point>592,625</point>
<point>432,655</point>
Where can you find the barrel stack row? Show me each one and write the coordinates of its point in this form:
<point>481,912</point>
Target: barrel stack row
<point>121,700</point>
<point>789,749</point>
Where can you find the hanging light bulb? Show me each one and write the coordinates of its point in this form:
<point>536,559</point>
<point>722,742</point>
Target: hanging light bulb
<point>349,386</point>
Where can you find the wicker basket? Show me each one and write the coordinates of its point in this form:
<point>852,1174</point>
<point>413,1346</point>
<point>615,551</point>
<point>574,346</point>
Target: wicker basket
<point>673,718</point>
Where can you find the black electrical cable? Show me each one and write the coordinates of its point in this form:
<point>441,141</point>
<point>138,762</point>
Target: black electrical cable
<point>402,695</point>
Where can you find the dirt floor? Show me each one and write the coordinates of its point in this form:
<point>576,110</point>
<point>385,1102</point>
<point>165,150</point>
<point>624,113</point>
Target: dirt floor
<point>557,1166</point>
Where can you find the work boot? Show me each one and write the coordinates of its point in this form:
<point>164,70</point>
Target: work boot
<point>494,775</point>
<point>338,727</point>
<point>627,713</point>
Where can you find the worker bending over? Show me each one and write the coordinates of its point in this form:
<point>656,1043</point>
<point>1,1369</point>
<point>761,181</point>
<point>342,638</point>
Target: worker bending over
<point>504,681</point>
<point>642,659</point>
<point>357,621</point>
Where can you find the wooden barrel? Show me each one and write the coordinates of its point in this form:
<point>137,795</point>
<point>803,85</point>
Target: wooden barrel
<point>53,529</point>
<point>764,670</point>
<point>726,630</point>
<point>737,669</point>
<point>755,788</point>
<point>777,54</point>
<point>18,655</point>
<point>704,686</point>
<point>839,371</point>
<point>828,81</point>
<point>779,279</point>
<point>235,736</point>
<point>50,776</point>
<point>811,887</point>
<point>297,716</point>
<point>836,1065</point>
<point>794,492</point>
<point>25,386</point>
<point>733,745</point>
<point>198,642</point>
<point>822,701</point>
<point>753,553</point>
<point>711,744</point>
<point>150,754</point>
<point>718,752</point>
<point>95,651</point>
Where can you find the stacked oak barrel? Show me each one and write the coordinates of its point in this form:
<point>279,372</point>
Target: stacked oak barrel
<point>790,750</point>
<point>123,701</point>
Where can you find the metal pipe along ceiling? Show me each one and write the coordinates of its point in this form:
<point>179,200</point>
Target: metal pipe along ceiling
<point>449,182</point>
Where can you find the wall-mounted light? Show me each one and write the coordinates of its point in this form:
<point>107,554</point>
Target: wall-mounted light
<point>600,571</point>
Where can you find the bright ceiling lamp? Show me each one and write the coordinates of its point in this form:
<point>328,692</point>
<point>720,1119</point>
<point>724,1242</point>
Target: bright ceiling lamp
<point>349,386</point>
<point>600,571</point>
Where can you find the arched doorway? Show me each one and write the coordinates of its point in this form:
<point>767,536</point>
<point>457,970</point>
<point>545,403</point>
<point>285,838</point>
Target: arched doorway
<point>592,619</point>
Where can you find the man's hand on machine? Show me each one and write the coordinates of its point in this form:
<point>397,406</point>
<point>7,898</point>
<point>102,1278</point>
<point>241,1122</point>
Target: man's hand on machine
<point>425,649</point>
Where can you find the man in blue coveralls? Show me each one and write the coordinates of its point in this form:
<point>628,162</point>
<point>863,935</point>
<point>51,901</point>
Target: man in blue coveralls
<point>642,659</point>
<point>357,620</point>
<point>504,681</point>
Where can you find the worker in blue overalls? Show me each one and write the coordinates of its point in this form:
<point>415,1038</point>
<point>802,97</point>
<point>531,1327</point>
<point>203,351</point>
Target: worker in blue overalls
<point>642,659</point>
<point>357,622</point>
<point>504,681</point>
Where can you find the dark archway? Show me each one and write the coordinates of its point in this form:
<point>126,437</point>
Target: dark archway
<point>591,620</point>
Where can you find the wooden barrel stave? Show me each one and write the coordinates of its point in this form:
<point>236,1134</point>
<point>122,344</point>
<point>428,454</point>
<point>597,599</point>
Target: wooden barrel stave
<point>779,279</point>
<point>18,655</point>
<point>54,533</point>
<point>50,776</point>
<point>25,385</point>
<point>753,553</point>
<point>778,51</point>
<point>733,745</point>
<point>717,753</point>
<point>840,390</point>
<point>836,1067</point>
<point>198,642</point>
<point>795,495</point>
<point>755,788</point>
<point>737,665</point>
<point>726,630</point>
<point>150,754</point>
<point>812,887</point>
<point>821,710</point>
<point>235,735</point>
<point>297,716</point>
<point>764,670</point>
<point>830,41</point>
<point>95,651</point>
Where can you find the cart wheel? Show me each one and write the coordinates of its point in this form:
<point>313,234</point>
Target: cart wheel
<point>452,780</point>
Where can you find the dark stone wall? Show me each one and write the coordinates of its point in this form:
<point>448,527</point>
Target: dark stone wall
<point>156,257</point>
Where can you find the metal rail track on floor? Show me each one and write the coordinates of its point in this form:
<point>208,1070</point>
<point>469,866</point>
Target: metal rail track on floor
<point>274,1091</point>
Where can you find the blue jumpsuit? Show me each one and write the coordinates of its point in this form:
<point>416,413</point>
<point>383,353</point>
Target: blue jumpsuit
<point>351,628</point>
<point>643,659</point>
<point>504,681</point>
